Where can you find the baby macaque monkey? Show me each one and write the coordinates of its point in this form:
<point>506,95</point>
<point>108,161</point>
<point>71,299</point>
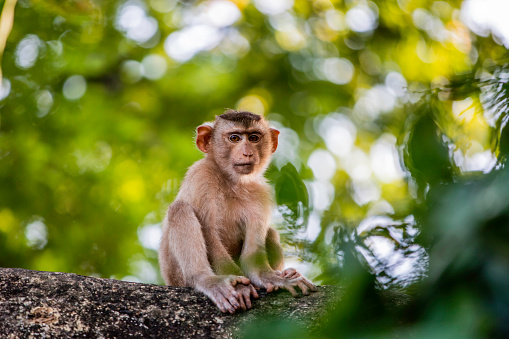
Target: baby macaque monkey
<point>216,234</point>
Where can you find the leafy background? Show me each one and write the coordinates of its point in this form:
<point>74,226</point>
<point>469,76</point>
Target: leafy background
<point>390,173</point>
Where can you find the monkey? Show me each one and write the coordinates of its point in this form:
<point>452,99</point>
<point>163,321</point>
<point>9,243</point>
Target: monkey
<point>216,235</point>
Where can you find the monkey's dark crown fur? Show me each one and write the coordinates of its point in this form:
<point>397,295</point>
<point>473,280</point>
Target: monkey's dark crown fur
<point>243,117</point>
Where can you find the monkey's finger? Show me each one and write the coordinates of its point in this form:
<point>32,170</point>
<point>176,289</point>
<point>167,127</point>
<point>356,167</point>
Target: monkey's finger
<point>309,284</point>
<point>289,272</point>
<point>234,301</point>
<point>294,281</point>
<point>241,301</point>
<point>247,297</point>
<point>303,287</point>
<point>292,276</point>
<point>253,291</point>
<point>232,296</point>
<point>269,287</point>
<point>242,297</point>
<point>312,287</point>
<point>228,306</point>
<point>295,275</point>
<point>229,291</point>
<point>239,280</point>
<point>224,305</point>
<point>221,307</point>
<point>244,280</point>
<point>291,290</point>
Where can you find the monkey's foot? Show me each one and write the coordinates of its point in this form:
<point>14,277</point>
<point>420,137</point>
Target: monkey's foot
<point>288,279</point>
<point>293,275</point>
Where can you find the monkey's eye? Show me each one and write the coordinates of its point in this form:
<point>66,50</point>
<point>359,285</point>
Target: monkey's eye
<point>234,138</point>
<point>254,138</point>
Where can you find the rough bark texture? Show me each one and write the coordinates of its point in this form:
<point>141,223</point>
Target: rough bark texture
<point>37,304</point>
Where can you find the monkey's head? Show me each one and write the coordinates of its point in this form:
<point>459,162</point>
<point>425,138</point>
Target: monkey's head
<point>240,143</point>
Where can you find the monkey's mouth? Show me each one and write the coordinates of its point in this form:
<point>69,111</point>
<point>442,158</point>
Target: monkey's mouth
<point>244,168</point>
<point>245,164</point>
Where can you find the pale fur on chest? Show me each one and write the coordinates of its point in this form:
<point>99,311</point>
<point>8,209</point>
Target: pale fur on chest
<point>233,205</point>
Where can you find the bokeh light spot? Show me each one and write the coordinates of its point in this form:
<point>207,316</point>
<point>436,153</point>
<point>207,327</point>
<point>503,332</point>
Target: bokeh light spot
<point>134,22</point>
<point>74,87</point>
<point>27,51</point>
<point>5,88</point>
<point>44,101</point>
<point>184,44</point>
<point>384,159</point>
<point>163,6</point>
<point>271,7</point>
<point>36,234</point>
<point>339,133</point>
<point>339,71</point>
<point>483,16</point>
<point>150,236</point>
<point>323,164</point>
<point>253,103</point>
<point>336,20</point>
<point>221,13</point>
<point>131,71</point>
<point>362,19</point>
<point>154,66</point>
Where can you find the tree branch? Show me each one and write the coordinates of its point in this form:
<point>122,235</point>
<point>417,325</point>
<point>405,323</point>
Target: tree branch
<point>62,305</point>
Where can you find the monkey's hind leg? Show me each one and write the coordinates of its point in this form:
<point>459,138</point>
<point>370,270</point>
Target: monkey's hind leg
<point>184,245</point>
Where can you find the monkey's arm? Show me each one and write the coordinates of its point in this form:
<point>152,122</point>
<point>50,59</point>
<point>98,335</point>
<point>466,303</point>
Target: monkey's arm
<point>183,252</point>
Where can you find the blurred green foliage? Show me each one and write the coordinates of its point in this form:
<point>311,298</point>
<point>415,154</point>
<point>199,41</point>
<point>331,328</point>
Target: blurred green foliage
<point>391,169</point>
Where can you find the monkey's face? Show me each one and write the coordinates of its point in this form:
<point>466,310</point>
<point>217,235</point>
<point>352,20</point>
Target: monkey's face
<point>239,148</point>
<point>245,148</point>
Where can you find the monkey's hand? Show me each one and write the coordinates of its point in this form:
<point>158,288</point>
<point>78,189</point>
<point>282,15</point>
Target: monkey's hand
<point>221,289</point>
<point>273,280</point>
<point>245,292</point>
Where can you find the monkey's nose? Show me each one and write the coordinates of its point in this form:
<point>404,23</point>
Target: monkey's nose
<point>247,152</point>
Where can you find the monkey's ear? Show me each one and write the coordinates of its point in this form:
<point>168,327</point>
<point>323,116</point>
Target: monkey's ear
<point>274,133</point>
<point>203,135</point>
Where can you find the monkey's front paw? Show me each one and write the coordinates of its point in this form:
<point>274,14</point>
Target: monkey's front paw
<point>221,290</point>
<point>244,295</point>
